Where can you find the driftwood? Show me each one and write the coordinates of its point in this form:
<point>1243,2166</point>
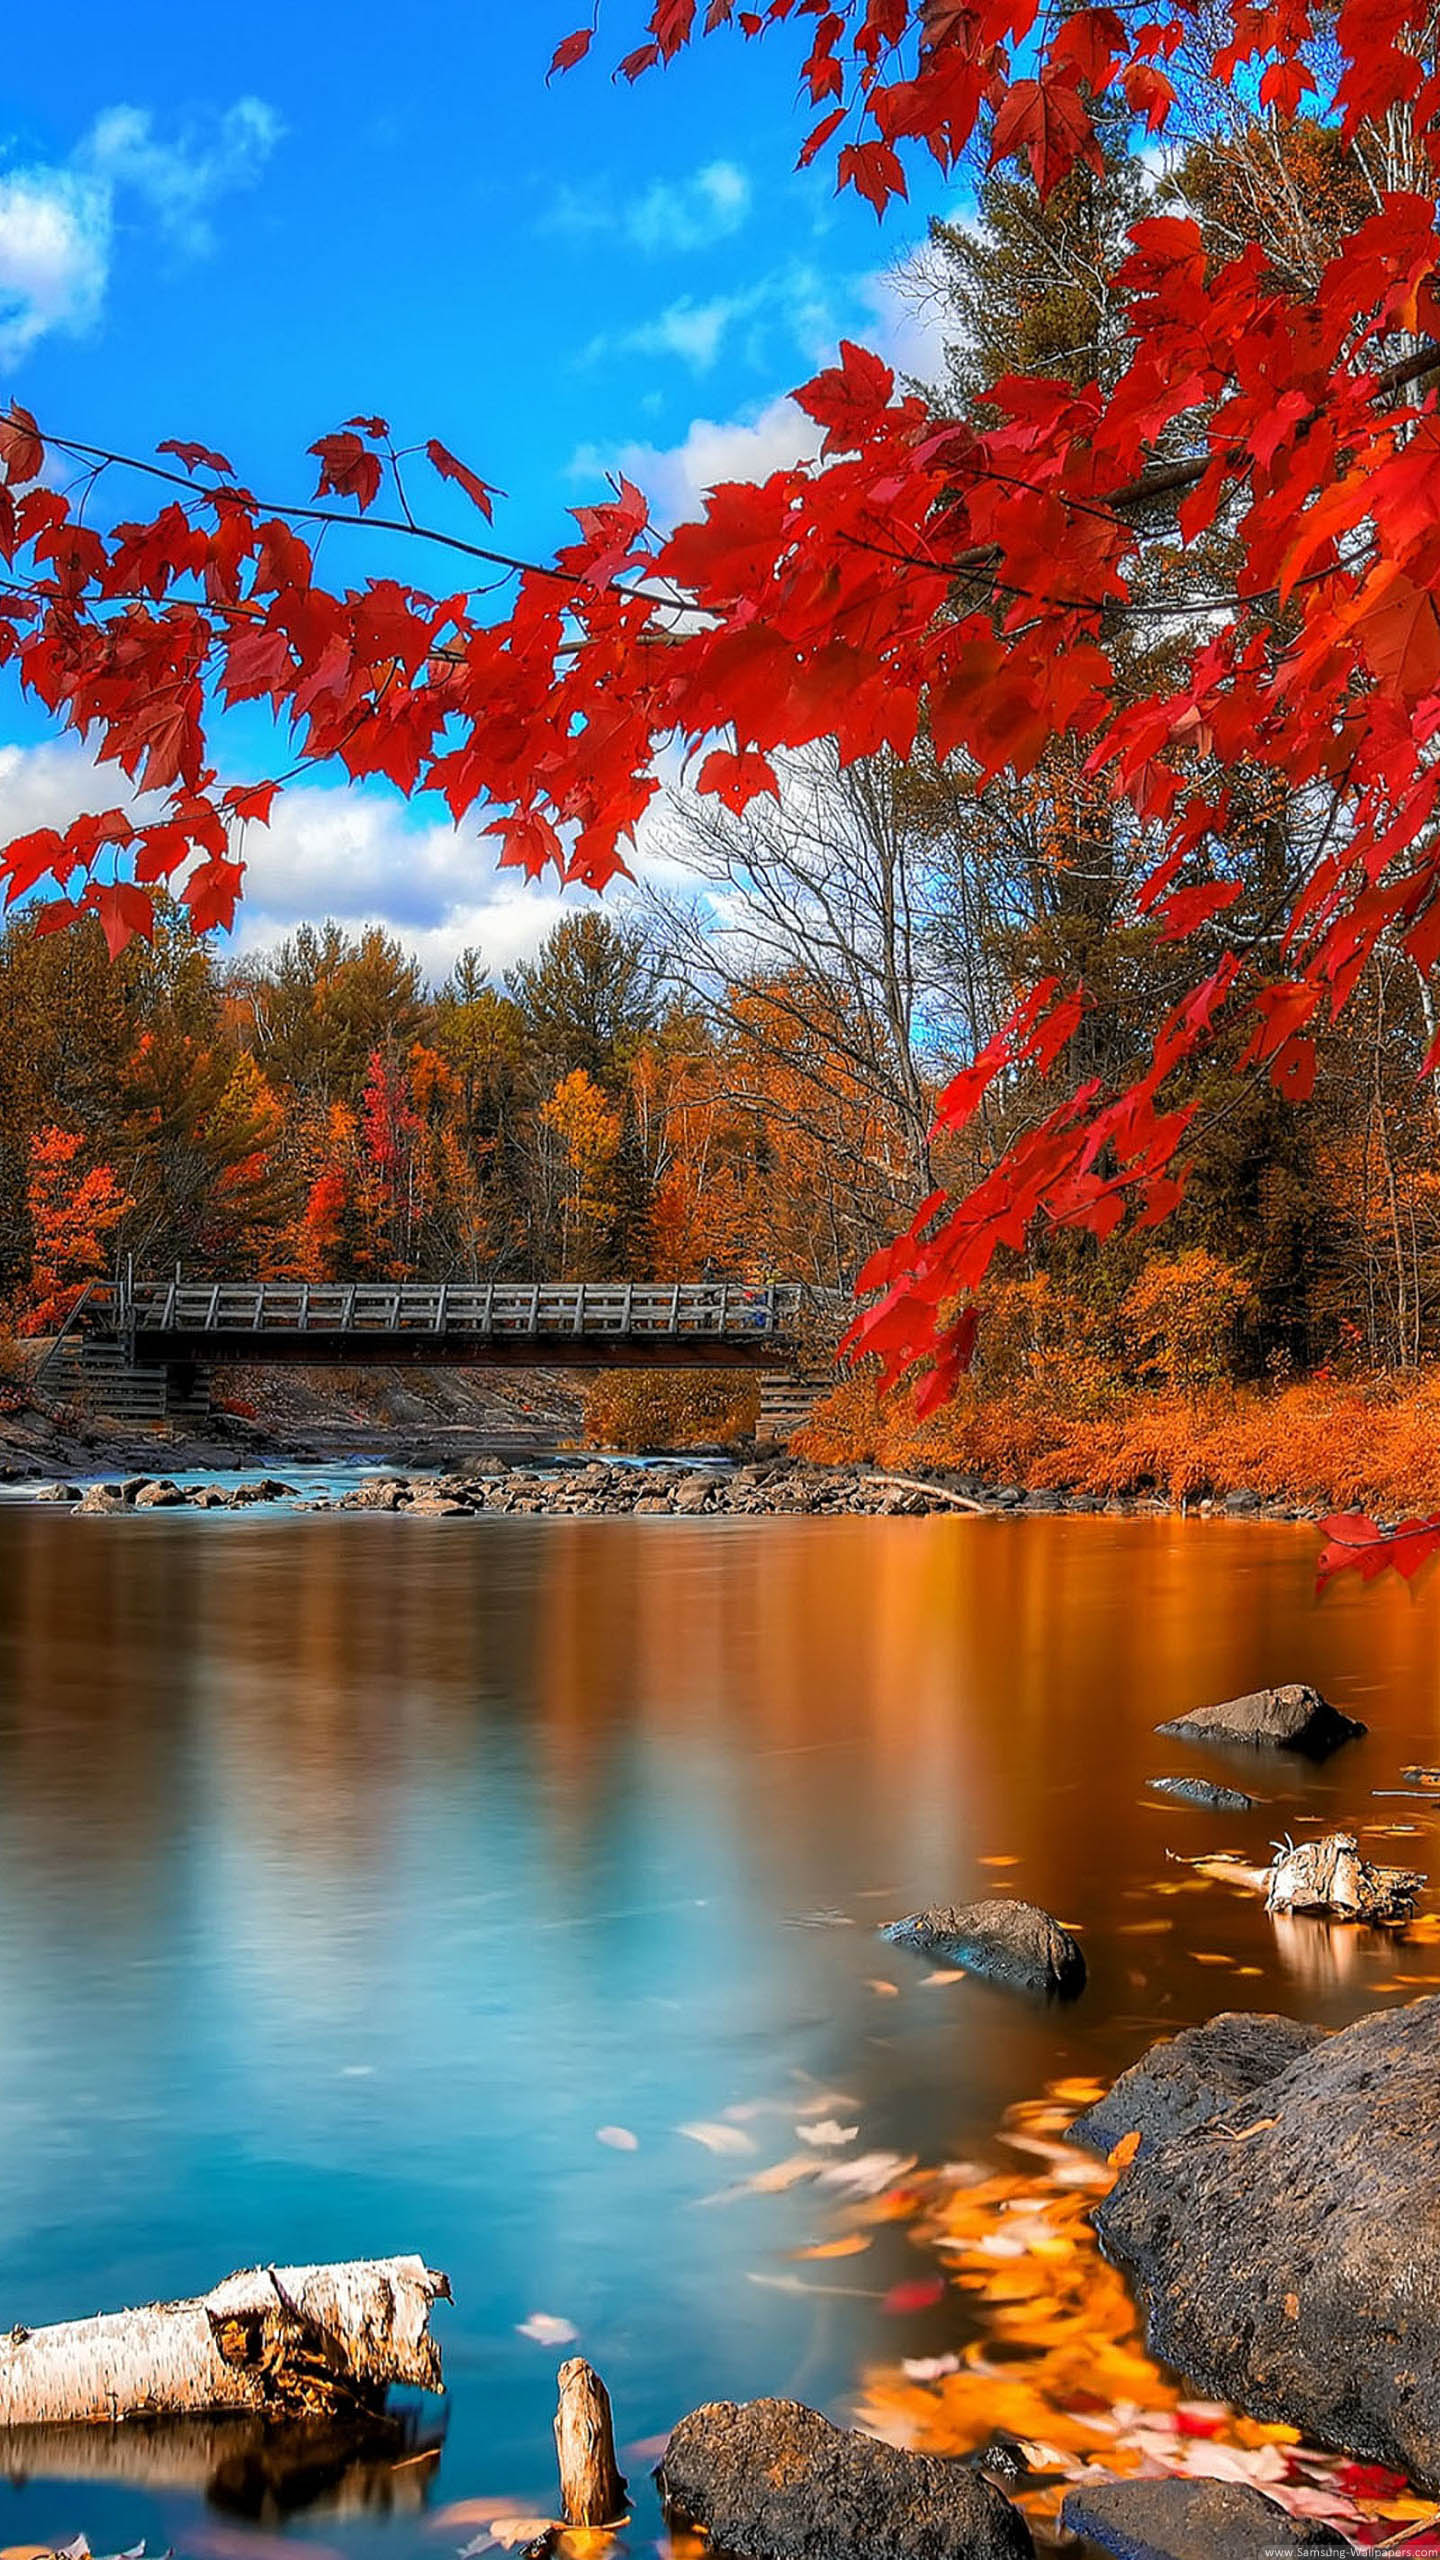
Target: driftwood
<point>284,2341</point>
<point>1330,1876</point>
<point>592,2490</point>
<point>1327,1877</point>
<point>936,1492</point>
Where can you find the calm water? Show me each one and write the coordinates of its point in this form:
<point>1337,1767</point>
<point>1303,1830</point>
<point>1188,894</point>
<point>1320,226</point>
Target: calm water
<point>356,1873</point>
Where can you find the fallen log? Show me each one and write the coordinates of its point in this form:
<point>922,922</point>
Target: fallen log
<point>286,2341</point>
<point>936,1492</point>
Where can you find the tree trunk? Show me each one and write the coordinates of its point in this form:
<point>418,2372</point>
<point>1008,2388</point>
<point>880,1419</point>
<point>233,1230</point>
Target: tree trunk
<point>275,2339</point>
<point>592,2491</point>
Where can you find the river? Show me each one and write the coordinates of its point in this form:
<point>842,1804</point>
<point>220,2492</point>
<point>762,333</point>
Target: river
<point>370,1886</point>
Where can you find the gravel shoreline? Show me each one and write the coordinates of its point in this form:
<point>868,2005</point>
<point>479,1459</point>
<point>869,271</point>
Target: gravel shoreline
<point>691,1488</point>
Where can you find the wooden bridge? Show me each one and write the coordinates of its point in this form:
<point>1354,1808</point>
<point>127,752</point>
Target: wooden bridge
<point>585,1324</point>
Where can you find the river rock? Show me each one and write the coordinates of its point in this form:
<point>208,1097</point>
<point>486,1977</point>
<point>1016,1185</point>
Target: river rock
<point>159,1495</point>
<point>100,1500</point>
<point>1293,1717</point>
<point>1200,1791</point>
<point>1009,1942</point>
<point>1189,2520</point>
<point>1287,2253</point>
<point>772,2480</point>
<point>1188,2078</point>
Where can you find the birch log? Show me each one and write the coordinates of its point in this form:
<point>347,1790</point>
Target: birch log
<point>285,2340</point>
<point>592,2491</point>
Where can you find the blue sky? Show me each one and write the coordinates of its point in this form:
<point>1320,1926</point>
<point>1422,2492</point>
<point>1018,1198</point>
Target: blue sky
<point>243,228</point>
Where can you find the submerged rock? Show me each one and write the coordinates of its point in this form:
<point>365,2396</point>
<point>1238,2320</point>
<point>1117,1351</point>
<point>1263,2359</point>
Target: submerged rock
<point>1293,1717</point>
<point>1201,1791</point>
<point>1009,1942</point>
<point>1287,2253</point>
<point>1190,2077</point>
<point>1189,2520</point>
<point>772,2480</point>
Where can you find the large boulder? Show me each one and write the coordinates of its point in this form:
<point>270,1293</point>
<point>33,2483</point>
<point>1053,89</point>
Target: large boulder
<point>1010,1942</point>
<point>1186,2079</point>
<point>1189,2520</point>
<point>1293,1717</point>
<point>1287,2252</point>
<point>772,2480</point>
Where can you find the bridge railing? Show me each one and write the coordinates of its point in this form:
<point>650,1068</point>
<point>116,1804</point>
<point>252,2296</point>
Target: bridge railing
<point>504,1308</point>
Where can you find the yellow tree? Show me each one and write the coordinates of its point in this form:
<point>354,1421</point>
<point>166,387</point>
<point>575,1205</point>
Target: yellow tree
<point>586,1132</point>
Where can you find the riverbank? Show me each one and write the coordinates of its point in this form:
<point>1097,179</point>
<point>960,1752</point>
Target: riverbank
<point>690,1488</point>
<point>1317,1446</point>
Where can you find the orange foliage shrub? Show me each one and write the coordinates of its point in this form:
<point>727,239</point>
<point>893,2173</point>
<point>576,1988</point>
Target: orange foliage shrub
<point>671,1408</point>
<point>1182,1317</point>
<point>1369,1444</point>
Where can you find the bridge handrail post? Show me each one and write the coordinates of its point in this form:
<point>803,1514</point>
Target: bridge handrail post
<point>577,1321</point>
<point>442,1304</point>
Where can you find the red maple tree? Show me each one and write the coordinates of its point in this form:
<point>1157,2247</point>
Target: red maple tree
<point>977,577</point>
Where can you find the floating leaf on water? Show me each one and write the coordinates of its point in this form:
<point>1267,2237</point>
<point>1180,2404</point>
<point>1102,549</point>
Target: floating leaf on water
<point>718,2137</point>
<point>617,2137</point>
<point>916,2293</point>
<point>942,1973</point>
<point>850,2245</point>
<point>884,1990</point>
<point>827,2135</point>
<point>547,2330</point>
<point>870,2173</point>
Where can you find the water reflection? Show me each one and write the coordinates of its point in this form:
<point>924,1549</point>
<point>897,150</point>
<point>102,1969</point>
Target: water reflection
<point>354,1873</point>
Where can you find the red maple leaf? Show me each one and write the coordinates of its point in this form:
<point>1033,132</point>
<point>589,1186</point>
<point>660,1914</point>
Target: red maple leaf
<point>478,491</point>
<point>1047,120</point>
<point>347,469</point>
<point>572,50</point>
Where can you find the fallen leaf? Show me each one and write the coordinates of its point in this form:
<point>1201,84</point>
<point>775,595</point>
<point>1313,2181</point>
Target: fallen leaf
<point>717,2137</point>
<point>1124,2151</point>
<point>999,1862</point>
<point>942,1973</point>
<point>617,2137</point>
<point>870,2174</point>
<point>917,2293</point>
<point>850,2245</point>
<point>884,1990</point>
<point>546,2330</point>
<point>827,2135</point>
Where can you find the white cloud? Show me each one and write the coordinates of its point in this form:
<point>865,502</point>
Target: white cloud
<point>792,310</point>
<point>178,181</point>
<point>58,223</point>
<point>672,216</point>
<point>54,255</point>
<point>676,477</point>
<point>331,850</point>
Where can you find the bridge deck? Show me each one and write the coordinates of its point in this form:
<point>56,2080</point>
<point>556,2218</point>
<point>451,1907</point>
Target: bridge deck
<point>594,1324</point>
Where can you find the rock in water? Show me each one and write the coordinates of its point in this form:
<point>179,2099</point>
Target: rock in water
<point>772,2480</point>
<point>1293,1717</point>
<point>1200,1791</point>
<point>1288,2252</point>
<point>1010,1942</point>
<point>1189,2520</point>
<point>1188,2078</point>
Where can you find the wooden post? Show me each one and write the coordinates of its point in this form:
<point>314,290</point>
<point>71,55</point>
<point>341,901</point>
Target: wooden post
<point>592,2490</point>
